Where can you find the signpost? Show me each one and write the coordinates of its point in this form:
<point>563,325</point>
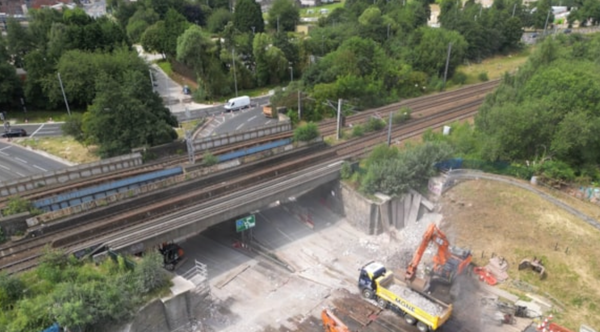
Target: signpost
<point>245,223</point>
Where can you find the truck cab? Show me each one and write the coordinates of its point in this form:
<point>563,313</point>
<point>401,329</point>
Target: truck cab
<point>366,280</point>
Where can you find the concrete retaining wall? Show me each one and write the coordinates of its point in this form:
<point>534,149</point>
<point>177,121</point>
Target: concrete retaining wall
<point>379,214</point>
<point>69,174</point>
<point>14,224</point>
<point>213,142</point>
<point>172,313</point>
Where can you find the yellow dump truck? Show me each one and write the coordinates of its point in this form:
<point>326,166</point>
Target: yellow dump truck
<point>271,112</point>
<point>377,283</point>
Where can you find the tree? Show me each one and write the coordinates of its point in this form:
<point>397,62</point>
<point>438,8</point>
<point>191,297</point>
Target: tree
<point>429,50</point>
<point>283,15</point>
<point>175,26</point>
<point>126,115</point>
<point>195,49</point>
<point>19,41</point>
<point>73,126</point>
<point>248,14</point>
<point>10,85</point>
<point>218,20</point>
<point>154,39</point>
<point>543,14</point>
<point>139,22</point>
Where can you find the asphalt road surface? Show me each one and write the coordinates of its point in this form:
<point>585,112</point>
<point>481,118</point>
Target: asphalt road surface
<point>41,129</point>
<point>16,162</point>
<point>215,110</point>
<point>240,121</point>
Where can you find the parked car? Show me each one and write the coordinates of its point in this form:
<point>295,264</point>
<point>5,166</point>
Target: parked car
<point>15,132</point>
<point>567,31</point>
<point>186,90</point>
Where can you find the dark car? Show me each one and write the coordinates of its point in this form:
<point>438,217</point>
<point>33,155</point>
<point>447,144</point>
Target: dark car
<point>15,132</point>
<point>567,31</point>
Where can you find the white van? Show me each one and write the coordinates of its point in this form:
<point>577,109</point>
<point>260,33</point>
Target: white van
<point>237,103</point>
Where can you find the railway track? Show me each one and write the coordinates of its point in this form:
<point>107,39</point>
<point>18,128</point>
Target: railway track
<point>342,151</point>
<point>421,106</point>
<point>24,256</point>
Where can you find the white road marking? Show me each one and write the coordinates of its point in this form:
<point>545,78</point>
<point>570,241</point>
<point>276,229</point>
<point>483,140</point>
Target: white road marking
<point>20,174</point>
<point>252,118</point>
<point>239,127</point>
<point>40,168</point>
<point>268,122</point>
<point>4,148</point>
<point>21,160</point>
<point>6,168</point>
<point>4,153</point>
<point>35,132</point>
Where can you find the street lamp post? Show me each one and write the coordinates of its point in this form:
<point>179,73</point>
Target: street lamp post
<point>291,73</point>
<point>64,95</point>
<point>253,30</point>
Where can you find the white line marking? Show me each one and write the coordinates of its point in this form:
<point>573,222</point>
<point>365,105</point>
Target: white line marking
<point>4,153</point>
<point>4,148</point>
<point>268,122</point>
<point>35,132</point>
<point>42,169</point>
<point>6,168</point>
<point>21,160</point>
<point>20,174</point>
<point>239,127</point>
<point>252,118</point>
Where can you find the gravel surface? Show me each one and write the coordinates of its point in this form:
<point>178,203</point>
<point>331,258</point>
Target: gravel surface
<point>417,299</point>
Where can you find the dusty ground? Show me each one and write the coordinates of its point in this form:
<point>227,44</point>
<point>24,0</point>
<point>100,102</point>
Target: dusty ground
<point>259,296</point>
<point>491,217</point>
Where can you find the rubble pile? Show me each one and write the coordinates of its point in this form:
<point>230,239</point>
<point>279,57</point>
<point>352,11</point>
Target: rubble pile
<point>417,299</point>
<point>409,239</point>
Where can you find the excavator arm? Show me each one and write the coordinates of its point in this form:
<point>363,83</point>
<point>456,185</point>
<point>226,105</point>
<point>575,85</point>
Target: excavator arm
<point>434,234</point>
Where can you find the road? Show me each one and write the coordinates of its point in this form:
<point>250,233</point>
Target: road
<point>16,162</point>
<point>230,122</point>
<point>41,129</point>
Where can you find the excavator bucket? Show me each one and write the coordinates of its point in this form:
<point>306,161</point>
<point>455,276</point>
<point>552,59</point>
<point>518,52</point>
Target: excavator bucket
<point>535,265</point>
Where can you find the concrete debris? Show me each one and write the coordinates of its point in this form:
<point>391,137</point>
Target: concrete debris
<point>417,299</point>
<point>498,267</point>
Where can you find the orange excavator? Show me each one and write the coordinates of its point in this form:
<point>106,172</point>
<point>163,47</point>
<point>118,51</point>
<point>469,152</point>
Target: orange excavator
<point>447,263</point>
<point>332,323</point>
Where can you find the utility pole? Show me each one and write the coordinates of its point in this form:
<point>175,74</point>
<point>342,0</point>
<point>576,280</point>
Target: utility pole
<point>547,18</point>
<point>299,106</point>
<point>278,23</point>
<point>339,119</point>
<point>234,76</point>
<point>64,95</point>
<point>291,73</point>
<point>388,31</point>
<point>514,8</point>
<point>389,140</point>
<point>447,64</point>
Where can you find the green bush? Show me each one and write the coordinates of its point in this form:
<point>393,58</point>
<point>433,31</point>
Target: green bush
<point>346,171</point>
<point>459,78</point>
<point>208,159</point>
<point>16,205</point>
<point>555,171</point>
<point>483,77</point>
<point>402,115</point>
<point>306,132</point>
<point>374,124</point>
<point>358,131</point>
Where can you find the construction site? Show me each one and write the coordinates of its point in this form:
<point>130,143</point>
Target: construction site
<point>308,266</point>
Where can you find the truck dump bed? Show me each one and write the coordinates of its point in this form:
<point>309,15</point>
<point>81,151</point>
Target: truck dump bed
<point>425,308</point>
